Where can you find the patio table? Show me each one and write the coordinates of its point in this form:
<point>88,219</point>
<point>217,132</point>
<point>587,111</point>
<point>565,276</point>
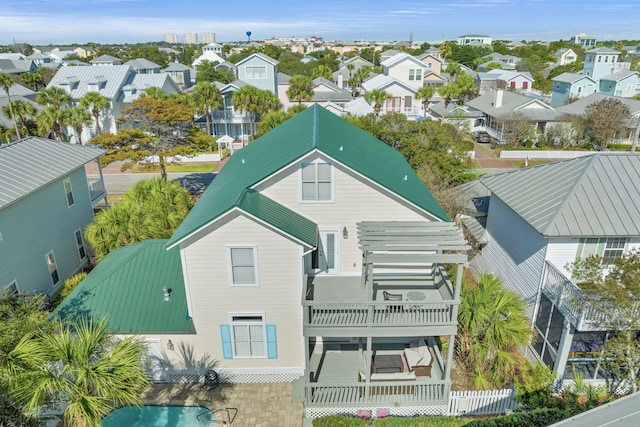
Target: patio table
<point>387,363</point>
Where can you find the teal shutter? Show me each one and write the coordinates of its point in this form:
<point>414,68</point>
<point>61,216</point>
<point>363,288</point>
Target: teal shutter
<point>272,342</point>
<point>227,349</point>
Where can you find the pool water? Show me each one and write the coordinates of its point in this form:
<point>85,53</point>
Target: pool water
<point>156,416</point>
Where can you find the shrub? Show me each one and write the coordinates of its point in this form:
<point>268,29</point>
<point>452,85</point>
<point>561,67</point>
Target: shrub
<point>537,418</point>
<point>534,386</point>
<point>339,421</point>
<point>68,286</point>
<point>466,145</point>
<point>541,144</point>
<point>528,143</point>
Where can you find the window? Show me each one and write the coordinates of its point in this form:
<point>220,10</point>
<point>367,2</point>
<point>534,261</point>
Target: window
<point>248,333</point>
<point>415,74</point>
<point>317,182</point>
<point>429,64</point>
<point>80,245</point>
<point>243,263</point>
<point>610,249</point>
<point>606,59</point>
<point>255,72</point>
<point>248,336</point>
<point>11,289</point>
<point>53,268</point>
<point>69,192</point>
<point>525,85</point>
<point>512,85</point>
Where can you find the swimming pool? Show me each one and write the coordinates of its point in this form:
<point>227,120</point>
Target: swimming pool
<point>157,416</point>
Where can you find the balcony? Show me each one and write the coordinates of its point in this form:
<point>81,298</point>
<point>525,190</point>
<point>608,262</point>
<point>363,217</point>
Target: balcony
<point>571,301</point>
<point>403,291</point>
<point>97,190</point>
<point>230,116</point>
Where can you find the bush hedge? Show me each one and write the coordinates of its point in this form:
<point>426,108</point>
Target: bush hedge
<point>536,418</point>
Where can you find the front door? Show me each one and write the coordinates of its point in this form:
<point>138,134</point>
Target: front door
<point>326,258</point>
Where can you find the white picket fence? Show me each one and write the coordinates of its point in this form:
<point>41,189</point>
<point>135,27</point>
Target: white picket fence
<point>542,154</point>
<point>488,402</point>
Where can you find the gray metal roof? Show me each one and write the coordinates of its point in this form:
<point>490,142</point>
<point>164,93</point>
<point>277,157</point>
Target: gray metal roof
<point>116,76</point>
<point>142,64</point>
<point>592,196</point>
<point>571,77</point>
<point>17,90</point>
<point>32,163</point>
<point>622,412</point>
<point>617,76</point>
<point>578,107</point>
<point>176,66</point>
<point>106,59</point>
<point>513,102</point>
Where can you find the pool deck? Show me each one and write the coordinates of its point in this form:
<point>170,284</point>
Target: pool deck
<point>259,405</point>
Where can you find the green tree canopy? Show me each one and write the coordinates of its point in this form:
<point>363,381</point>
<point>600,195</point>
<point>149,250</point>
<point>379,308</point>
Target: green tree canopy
<point>300,89</point>
<point>377,97</point>
<point>606,120</point>
<point>6,81</point>
<point>96,104</point>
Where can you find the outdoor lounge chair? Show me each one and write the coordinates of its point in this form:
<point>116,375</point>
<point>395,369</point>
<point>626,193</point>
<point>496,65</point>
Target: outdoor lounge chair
<point>392,297</point>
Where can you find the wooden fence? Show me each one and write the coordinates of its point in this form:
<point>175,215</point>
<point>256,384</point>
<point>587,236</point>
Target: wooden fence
<point>488,402</point>
<point>542,154</point>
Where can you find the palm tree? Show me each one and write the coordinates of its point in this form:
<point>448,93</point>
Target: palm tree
<point>322,70</point>
<point>492,327</point>
<point>466,86</point>
<point>154,92</point>
<point>448,92</point>
<point>77,117</point>
<point>82,364</point>
<point>377,97</point>
<point>96,104</point>
<point>6,81</point>
<point>255,101</point>
<point>207,97</point>
<point>425,93</point>
<point>51,119</point>
<point>300,89</point>
<point>23,111</point>
<point>454,69</point>
<point>360,76</point>
<point>6,134</point>
<point>53,97</point>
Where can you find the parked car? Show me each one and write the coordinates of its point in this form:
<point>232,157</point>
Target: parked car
<point>481,136</point>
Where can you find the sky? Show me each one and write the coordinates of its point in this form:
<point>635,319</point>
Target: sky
<point>43,22</point>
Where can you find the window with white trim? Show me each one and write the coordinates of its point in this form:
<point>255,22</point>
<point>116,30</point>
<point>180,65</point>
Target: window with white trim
<point>243,265</point>
<point>249,335</point>
<point>255,72</point>
<point>53,268</point>
<point>69,192</point>
<point>609,249</point>
<point>80,244</point>
<point>316,182</point>
<point>415,74</point>
<point>11,289</point>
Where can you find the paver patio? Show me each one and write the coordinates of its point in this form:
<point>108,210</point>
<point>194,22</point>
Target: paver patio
<point>259,405</point>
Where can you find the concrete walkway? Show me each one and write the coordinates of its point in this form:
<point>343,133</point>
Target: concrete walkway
<point>259,405</point>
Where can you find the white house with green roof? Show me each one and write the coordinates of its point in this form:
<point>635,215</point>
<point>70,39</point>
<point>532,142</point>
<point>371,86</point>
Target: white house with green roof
<point>46,201</point>
<point>314,257</point>
<point>541,219</point>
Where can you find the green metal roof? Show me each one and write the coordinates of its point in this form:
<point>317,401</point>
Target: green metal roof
<point>279,216</point>
<point>313,129</point>
<point>127,289</point>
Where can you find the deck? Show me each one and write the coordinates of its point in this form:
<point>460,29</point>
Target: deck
<point>343,306</point>
<point>334,372</point>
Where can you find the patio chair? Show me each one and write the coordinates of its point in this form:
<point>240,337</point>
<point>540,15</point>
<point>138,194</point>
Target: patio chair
<point>392,297</point>
<point>211,380</point>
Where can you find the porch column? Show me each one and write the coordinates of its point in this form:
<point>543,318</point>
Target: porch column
<point>449,362</point>
<point>104,186</point>
<point>563,349</point>
<point>307,373</point>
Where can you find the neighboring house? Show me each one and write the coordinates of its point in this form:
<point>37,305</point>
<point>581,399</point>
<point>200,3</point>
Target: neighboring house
<point>571,86</point>
<point>601,62</point>
<point>259,70</point>
<point>285,263</point>
<point>7,122</point>
<point>584,40</point>
<point>17,89</point>
<point>118,83</point>
<point>474,40</point>
<point>432,62</point>
<point>343,74</point>
<point>211,53</point>
<point>181,74</point>
<point>501,105</point>
<point>402,95</point>
<point>578,108</point>
<point>521,81</point>
<point>463,117</point>
<point>565,56</point>
<point>40,59</point>
<point>106,60</point>
<point>12,56</point>
<point>323,91</point>
<point>506,62</point>
<point>229,120</point>
<point>539,221</point>
<point>17,66</point>
<point>143,66</point>
<point>623,83</point>
<point>405,68</point>
<point>46,202</point>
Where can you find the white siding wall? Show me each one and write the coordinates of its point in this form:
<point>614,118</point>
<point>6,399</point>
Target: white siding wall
<point>633,243</point>
<point>355,200</point>
<point>400,71</point>
<point>562,251</point>
<point>515,252</point>
<point>213,300</point>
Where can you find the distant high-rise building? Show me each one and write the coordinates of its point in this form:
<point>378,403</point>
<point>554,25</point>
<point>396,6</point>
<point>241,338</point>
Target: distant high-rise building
<point>190,38</point>
<point>171,38</point>
<point>208,38</point>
